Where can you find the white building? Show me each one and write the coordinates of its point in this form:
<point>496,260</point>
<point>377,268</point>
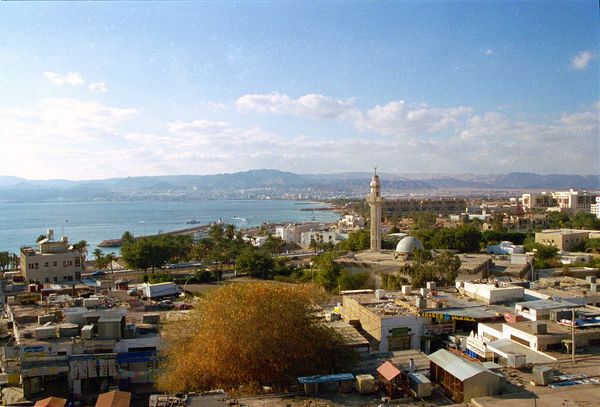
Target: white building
<point>351,222</point>
<point>292,233</point>
<point>595,207</point>
<point>491,293</point>
<point>319,237</point>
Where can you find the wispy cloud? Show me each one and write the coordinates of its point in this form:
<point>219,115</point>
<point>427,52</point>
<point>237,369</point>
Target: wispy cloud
<point>71,138</point>
<point>98,87</point>
<point>71,78</point>
<point>312,105</point>
<point>489,52</point>
<point>402,119</point>
<point>581,61</point>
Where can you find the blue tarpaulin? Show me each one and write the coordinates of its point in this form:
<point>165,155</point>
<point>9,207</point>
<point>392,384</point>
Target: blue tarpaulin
<point>327,378</point>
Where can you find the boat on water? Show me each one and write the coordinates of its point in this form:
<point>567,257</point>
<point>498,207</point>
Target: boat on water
<point>192,222</point>
<point>240,219</point>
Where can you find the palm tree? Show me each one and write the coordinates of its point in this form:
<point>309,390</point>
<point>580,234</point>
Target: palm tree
<point>100,261</point>
<point>81,247</point>
<point>110,257</point>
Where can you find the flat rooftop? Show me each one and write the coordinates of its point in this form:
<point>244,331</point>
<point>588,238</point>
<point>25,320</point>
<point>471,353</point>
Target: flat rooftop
<point>397,304</point>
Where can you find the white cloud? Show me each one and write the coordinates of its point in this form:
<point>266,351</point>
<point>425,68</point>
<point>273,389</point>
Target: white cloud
<point>71,78</point>
<point>217,105</point>
<point>489,51</point>
<point>70,138</point>
<point>198,127</point>
<point>59,122</point>
<point>98,87</point>
<point>313,106</point>
<point>401,119</point>
<point>581,61</point>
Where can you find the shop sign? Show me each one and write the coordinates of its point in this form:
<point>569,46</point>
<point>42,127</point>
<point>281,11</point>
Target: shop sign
<point>438,329</point>
<point>445,317</point>
<point>400,331</point>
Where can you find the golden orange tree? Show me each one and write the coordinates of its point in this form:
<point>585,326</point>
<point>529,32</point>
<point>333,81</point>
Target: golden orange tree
<point>250,334</point>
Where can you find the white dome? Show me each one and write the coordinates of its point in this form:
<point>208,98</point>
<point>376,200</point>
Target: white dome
<point>409,244</point>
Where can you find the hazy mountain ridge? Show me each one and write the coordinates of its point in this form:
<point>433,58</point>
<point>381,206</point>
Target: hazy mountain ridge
<point>274,183</point>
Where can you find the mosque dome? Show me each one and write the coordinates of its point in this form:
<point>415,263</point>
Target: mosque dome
<point>408,245</point>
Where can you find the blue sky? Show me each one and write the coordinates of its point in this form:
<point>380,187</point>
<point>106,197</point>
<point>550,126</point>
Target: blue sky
<point>97,90</point>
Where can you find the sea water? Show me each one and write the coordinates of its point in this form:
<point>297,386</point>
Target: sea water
<point>22,223</point>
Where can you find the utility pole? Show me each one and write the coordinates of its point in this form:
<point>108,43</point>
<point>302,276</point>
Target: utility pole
<point>573,335</point>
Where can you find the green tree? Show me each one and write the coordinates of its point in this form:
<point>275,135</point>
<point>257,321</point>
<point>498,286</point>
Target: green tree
<point>146,252</point>
<point>328,270</point>
<point>81,247</point>
<point>5,261</point>
<point>592,245</point>
<point>585,220</point>
<point>273,245</point>
<point>558,220</point>
<point>423,220</point>
<point>230,232</point>
<point>353,281</point>
<point>357,241</point>
<point>40,238</point>
<point>110,258</point>
<point>127,236</point>
<point>442,268</point>
<point>256,263</point>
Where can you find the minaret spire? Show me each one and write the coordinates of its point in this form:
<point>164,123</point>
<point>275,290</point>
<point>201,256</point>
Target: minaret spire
<point>375,202</point>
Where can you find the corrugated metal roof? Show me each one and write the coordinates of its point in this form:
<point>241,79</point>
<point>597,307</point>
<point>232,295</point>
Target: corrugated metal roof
<point>326,378</point>
<point>455,365</point>
<point>388,371</point>
<point>546,304</point>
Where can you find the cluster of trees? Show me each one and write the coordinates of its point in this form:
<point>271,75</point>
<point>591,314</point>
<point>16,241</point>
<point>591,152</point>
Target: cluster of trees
<point>464,238</point>
<point>580,220</point>
<point>442,268</point>
<point>243,336</point>
<point>222,248</point>
<point>8,261</point>
<point>154,252</point>
<point>260,263</point>
<point>103,261</point>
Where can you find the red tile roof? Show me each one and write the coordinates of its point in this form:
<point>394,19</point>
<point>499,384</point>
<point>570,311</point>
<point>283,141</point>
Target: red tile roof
<point>51,402</point>
<point>114,398</point>
<point>388,371</point>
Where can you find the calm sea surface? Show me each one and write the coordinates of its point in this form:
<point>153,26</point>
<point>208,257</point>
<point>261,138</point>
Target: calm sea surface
<point>22,223</point>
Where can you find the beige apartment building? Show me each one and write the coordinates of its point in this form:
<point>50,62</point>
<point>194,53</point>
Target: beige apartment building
<point>51,262</point>
<point>563,239</point>
<point>570,200</point>
<point>439,206</point>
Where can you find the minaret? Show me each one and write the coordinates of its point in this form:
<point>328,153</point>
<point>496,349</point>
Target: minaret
<point>375,202</point>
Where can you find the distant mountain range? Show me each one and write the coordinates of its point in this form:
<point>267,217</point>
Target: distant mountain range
<point>256,184</point>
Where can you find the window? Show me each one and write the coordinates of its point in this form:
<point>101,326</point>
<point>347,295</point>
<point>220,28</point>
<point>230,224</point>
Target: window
<point>64,263</point>
<point>46,264</point>
<point>47,280</point>
<point>55,264</point>
<point>70,278</point>
<point>77,262</point>
<point>64,278</point>
<point>70,263</point>
<point>37,266</point>
<point>55,279</point>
